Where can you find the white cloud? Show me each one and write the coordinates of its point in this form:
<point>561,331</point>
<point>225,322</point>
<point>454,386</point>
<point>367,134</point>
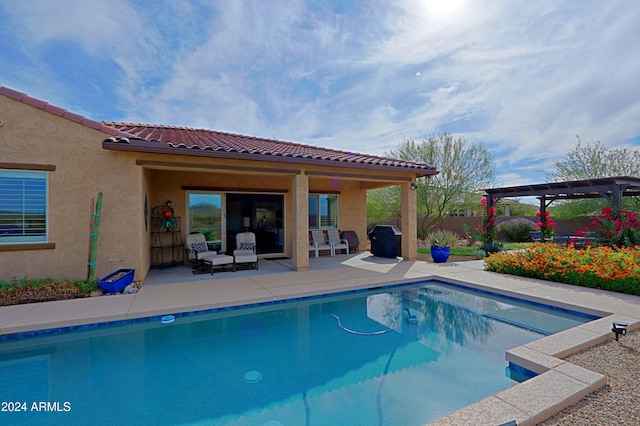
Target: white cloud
<point>523,77</point>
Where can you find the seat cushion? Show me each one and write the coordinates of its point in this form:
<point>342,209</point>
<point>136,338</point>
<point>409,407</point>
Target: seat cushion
<point>220,259</point>
<point>245,257</point>
<point>207,256</point>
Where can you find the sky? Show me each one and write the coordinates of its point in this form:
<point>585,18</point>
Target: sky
<point>523,77</point>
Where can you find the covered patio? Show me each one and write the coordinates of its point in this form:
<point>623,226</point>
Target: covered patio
<point>221,184</point>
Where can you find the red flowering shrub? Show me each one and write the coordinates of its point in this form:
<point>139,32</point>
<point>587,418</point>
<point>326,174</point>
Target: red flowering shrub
<point>546,225</point>
<point>615,226</point>
<point>485,233</point>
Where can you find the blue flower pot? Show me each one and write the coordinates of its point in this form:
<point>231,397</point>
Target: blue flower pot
<point>440,254</point>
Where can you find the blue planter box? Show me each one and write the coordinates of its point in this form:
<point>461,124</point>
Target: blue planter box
<point>116,281</point>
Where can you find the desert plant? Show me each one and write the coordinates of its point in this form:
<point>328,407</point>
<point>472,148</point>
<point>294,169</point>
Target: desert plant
<point>443,238</point>
<point>517,230</point>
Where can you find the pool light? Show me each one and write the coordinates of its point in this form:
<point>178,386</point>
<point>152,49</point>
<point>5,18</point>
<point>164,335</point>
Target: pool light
<point>252,376</point>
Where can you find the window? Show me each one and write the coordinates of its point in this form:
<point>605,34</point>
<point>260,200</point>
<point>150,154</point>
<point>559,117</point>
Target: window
<point>23,206</point>
<point>323,211</point>
<point>205,216</point>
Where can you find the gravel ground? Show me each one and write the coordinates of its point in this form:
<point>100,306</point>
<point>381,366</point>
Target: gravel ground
<point>618,403</point>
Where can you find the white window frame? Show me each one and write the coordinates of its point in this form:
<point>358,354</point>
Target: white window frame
<point>19,203</point>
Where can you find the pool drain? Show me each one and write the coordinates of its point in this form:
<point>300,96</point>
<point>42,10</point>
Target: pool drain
<point>252,376</point>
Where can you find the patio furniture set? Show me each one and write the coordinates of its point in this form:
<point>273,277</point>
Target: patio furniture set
<point>578,242</point>
<point>206,260</point>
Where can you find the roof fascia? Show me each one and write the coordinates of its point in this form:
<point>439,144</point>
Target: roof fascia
<point>136,145</point>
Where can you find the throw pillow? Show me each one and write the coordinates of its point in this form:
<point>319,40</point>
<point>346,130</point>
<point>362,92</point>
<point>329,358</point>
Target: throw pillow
<point>198,247</point>
<point>247,246</point>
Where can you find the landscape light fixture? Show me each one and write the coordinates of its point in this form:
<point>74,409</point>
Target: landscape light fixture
<point>414,185</point>
<point>619,328</point>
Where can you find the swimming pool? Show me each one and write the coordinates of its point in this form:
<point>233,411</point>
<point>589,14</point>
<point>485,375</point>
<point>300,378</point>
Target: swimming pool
<point>400,355</point>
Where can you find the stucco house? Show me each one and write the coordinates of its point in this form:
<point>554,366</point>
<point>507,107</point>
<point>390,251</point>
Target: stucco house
<point>53,164</point>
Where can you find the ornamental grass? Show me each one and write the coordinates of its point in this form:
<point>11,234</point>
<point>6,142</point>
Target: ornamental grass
<point>606,268</point>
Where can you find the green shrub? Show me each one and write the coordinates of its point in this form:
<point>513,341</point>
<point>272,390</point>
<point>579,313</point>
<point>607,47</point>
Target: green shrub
<point>32,290</point>
<point>517,230</point>
<point>490,247</point>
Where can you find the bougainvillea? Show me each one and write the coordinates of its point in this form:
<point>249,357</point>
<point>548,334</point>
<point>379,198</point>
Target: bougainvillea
<point>487,230</point>
<point>614,226</point>
<point>546,225</point>
<point>485,233</point>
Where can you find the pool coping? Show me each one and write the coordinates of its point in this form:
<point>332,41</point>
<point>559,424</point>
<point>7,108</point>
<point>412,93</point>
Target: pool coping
<point>558,384</point>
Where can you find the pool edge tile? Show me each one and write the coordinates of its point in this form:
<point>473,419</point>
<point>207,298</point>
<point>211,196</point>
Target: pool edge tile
<point>532,360</point>
<point>545,395</point>
<point>77,312</point>
<point>488,411</point>
<point>588,377</point>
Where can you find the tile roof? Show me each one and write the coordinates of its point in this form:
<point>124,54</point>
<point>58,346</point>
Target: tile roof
<point>216,143</point>
<point>183,140</point>
<point>37,103</point>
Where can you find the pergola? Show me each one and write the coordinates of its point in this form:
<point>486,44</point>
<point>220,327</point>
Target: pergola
<point>612,189</point>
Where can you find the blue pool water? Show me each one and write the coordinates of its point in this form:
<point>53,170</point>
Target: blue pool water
<point>403,355</point>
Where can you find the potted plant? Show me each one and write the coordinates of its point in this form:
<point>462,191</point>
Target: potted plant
<point>168,221</point>
<point>441,242</point>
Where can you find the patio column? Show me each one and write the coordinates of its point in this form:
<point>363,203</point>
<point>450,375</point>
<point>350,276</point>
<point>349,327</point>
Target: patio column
<point>409,222</point>
<point>300,201</point>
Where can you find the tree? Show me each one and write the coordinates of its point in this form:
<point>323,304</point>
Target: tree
<point>465,169</point>
<point>591,161</point>
<point>382,204</point>
<point>594,160</point>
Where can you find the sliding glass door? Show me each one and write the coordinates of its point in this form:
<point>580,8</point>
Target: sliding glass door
<point>220,216</point>
<point>262,214</point>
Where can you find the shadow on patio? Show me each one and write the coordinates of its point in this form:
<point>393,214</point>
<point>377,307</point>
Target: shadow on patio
<point>183,273</point>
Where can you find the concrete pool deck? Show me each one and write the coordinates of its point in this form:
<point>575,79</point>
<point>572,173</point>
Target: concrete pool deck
<point>559,383</point>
